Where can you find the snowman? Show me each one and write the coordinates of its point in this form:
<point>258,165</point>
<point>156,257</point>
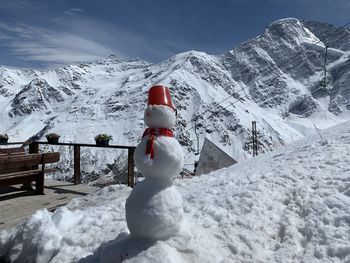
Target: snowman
<point>154,207</point>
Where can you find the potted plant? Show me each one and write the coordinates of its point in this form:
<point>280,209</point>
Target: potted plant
<point>52,137</point>
<point>103,139</point>
<point>3,138</point>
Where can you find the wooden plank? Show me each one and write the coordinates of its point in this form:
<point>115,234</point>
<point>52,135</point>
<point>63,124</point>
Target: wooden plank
<point>33,159</point>
<point>10,162</point>
<point>20,173</point>
<point>24,173</point>
<point>87,145</point>
<point>16,150</point>
<point>19,179</point>
<point>25,177</point>
<point>12,154</point>
<point>19,168</point>
<point>16,205</point>
<point>4,177</point>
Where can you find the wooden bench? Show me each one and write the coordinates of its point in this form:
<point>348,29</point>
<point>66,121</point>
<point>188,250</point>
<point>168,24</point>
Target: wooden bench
<point>15,151</point>
<point>24,168</point>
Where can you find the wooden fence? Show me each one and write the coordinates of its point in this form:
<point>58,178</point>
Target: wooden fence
<point>34,148</point>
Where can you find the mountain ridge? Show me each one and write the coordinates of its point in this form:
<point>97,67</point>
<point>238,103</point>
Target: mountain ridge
<point>109,96</point>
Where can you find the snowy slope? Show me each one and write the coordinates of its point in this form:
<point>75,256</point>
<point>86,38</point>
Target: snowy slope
<point>109,96</point>
<point>290,205</point>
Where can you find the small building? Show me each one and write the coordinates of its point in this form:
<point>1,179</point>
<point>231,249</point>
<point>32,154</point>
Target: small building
<point>212,158</point>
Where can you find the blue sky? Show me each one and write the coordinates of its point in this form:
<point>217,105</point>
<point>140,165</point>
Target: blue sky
<point>51,33</point>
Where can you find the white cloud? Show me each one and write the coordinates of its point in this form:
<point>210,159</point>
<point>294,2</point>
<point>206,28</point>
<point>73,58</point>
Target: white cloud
<point>5,37</point>
<point>43,45</point>
<point>73,11</point>
<point>124,42</point>
<point>77,38</point>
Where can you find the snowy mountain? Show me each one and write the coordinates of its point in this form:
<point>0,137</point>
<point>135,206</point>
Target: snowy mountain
<point>290,205</point>
<point>109,96</point>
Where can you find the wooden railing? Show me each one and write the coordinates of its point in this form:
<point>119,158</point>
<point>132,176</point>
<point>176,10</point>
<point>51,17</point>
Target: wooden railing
<point>34,148</point>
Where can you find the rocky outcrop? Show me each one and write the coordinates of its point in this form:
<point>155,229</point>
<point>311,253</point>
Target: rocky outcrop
<point>35,96</point>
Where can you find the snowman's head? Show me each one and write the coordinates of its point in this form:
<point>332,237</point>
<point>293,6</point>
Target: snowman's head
<point>160,116</point>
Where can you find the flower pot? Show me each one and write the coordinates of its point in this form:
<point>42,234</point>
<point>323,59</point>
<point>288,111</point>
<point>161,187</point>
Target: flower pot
<point>3,140</point>
<point>102,143</point>
<point>52,140</point>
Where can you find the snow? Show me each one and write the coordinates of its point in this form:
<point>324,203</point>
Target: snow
<point>290,205</point>
<point>154,210</point>
<point>157,116</point>
<point>154,207</point>
<point>168,158</point>
<point>71,230</point>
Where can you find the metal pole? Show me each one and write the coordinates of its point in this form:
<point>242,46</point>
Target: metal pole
<point>255,139</point>
<point>195,132</point>
<point>325,68</point>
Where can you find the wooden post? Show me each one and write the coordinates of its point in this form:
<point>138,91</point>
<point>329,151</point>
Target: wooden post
<point>39,182</point>
<point>77,179</point>
<point>33,148</point>
<point>131,174</point>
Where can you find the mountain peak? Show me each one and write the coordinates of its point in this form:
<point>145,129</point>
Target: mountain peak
<point>288,20</point>
<point>111,59</point>
<point>290,29</point>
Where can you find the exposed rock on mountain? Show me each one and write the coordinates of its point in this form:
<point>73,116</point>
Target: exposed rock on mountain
<point>275,79</point>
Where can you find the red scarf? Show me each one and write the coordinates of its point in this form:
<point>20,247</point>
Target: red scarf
<point>153,132</point>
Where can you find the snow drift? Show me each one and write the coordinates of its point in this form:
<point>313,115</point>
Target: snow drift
<point>290,205</point>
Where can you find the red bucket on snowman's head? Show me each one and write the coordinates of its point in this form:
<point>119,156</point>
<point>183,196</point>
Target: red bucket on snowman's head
<point>160,95</point>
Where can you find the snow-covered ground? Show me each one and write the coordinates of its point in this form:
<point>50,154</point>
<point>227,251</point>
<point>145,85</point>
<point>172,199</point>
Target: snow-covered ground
<point>290,205</point>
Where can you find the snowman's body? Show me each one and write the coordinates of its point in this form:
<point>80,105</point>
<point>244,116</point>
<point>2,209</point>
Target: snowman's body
<point>154,207</point>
